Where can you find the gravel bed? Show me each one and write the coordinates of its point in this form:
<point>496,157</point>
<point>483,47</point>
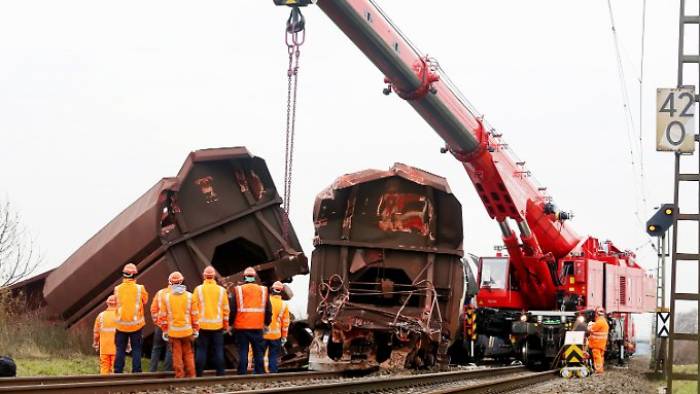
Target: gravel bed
<point>631,379</point>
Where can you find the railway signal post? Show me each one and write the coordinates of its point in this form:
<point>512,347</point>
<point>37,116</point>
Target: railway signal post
<point>658,226</point>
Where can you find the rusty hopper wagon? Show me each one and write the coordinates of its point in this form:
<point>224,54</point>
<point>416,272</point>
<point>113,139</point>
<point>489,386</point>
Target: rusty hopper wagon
<point>222,209</point>
<point>387,282</point>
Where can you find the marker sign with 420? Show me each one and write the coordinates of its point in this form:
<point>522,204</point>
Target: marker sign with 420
<point>675,119</point>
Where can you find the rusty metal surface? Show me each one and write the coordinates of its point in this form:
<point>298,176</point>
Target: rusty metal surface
<point>222,208</point>
<point>387,281</point>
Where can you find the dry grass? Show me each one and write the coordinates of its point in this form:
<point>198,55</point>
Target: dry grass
<point>29,334</point>
<point>44,347</point>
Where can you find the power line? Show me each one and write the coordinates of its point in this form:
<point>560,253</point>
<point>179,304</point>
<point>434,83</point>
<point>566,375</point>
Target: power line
<point>641,101</point>
<point>639,181</point>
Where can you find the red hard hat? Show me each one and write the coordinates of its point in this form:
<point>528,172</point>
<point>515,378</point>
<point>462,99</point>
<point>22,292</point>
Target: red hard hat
<point>250,271</point>
<point>209,272</point>
<point>175,278</point>
<point>130,269</point>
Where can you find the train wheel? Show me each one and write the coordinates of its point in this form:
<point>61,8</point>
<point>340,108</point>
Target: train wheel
<point>531,353</point>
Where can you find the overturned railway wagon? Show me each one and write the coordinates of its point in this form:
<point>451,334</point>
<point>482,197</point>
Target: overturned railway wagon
<point>222,209</point>
<point>387,280</point>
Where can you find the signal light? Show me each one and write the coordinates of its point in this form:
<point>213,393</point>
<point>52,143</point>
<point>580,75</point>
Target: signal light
<point>661,221</point>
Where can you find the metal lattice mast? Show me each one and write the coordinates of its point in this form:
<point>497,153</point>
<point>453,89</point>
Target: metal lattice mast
<point>659,345</point>
<point>677,256</point>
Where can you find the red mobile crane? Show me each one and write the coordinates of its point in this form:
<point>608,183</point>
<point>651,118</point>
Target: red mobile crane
<point>528,299</point>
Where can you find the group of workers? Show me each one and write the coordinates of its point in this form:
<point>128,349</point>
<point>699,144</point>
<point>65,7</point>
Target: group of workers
<point>190,326</point>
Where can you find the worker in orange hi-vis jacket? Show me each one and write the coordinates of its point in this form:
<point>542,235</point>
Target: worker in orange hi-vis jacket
<point>598,339</point>
<point>213,321</point>
<point>250,314</point>
<point>131,301</point>
<point>179,320</point>
<point>275,334</point>
<point>103,338</point>
<point>159,345</point>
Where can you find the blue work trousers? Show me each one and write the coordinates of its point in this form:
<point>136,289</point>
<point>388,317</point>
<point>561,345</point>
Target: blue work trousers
<point>244,340</point>
<point>273,347</point>
<point>159,345</point>
<point>121,339</point>
<point>210,342</point>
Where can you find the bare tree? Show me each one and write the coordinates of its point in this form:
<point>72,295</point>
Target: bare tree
<point>19,256</point>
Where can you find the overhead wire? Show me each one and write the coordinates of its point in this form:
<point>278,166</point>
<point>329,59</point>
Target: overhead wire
<point>641,102</point>
<point>638,170</point>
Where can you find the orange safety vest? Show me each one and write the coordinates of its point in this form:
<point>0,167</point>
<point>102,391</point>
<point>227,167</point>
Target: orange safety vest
<point>280,319</point>
<point>105,329</point>
<point>599,334</point>
<point>250,306</point>
<point>155,305</point>
<point>213,305</point>
<point>181,313</point>
<point>131,299</point>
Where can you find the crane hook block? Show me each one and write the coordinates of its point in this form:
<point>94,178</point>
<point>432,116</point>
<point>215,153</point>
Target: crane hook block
<point>296,21</point>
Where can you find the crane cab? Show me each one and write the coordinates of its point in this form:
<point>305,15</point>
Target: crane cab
<point>498,287</point>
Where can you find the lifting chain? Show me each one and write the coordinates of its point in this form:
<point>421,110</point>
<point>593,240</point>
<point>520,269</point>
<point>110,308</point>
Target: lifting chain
<point>294,38</point>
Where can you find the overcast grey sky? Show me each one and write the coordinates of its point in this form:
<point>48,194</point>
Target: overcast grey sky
<point>98,100</point>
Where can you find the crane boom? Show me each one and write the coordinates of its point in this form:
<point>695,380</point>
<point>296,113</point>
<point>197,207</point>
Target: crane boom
<point>502,182</point>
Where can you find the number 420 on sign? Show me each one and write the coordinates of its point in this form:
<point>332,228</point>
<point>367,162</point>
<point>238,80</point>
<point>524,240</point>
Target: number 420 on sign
<point>675,119</point>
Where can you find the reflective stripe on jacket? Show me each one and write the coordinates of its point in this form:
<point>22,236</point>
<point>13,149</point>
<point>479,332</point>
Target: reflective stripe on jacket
<point>213,305</point>
<point>131,300</point>
<point>251,300</point>
<point>180,313</point>
<point>105,329</point>
<point>280,319</point>
<point>599,334</point>
<point>155,305</point>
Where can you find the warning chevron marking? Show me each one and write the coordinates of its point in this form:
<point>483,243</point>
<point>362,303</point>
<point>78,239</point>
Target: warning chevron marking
<point>662,322</point>
<point>573,354</point>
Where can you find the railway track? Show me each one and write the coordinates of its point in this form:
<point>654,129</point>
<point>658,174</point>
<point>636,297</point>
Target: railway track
<point>46,380</point>
<point>498,380</point>
<point>144,382</point>
<point>472,381</point>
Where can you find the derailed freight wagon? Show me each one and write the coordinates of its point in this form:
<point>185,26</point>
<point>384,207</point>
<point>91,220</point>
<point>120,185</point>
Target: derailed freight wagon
<point>387,280</point>
<point>222,209</point>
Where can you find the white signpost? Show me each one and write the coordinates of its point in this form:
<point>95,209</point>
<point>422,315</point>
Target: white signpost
<point>675,119</point>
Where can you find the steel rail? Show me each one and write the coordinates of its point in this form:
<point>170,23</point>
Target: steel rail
<point>43,380</point>
<point>503,385</point>
<point>147,381</point>
<point>393,382</point>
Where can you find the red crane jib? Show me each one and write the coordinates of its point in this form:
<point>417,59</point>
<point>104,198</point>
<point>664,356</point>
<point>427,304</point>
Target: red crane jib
<point>547,249</point>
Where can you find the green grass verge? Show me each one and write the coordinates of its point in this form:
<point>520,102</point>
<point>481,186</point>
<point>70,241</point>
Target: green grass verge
<point>78,364</point>
<point>682,386</point>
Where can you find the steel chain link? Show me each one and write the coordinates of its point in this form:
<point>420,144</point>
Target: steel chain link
<point>294,38</point>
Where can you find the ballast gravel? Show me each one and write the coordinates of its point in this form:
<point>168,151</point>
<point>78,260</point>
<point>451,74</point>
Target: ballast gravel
<point>631,379</point>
